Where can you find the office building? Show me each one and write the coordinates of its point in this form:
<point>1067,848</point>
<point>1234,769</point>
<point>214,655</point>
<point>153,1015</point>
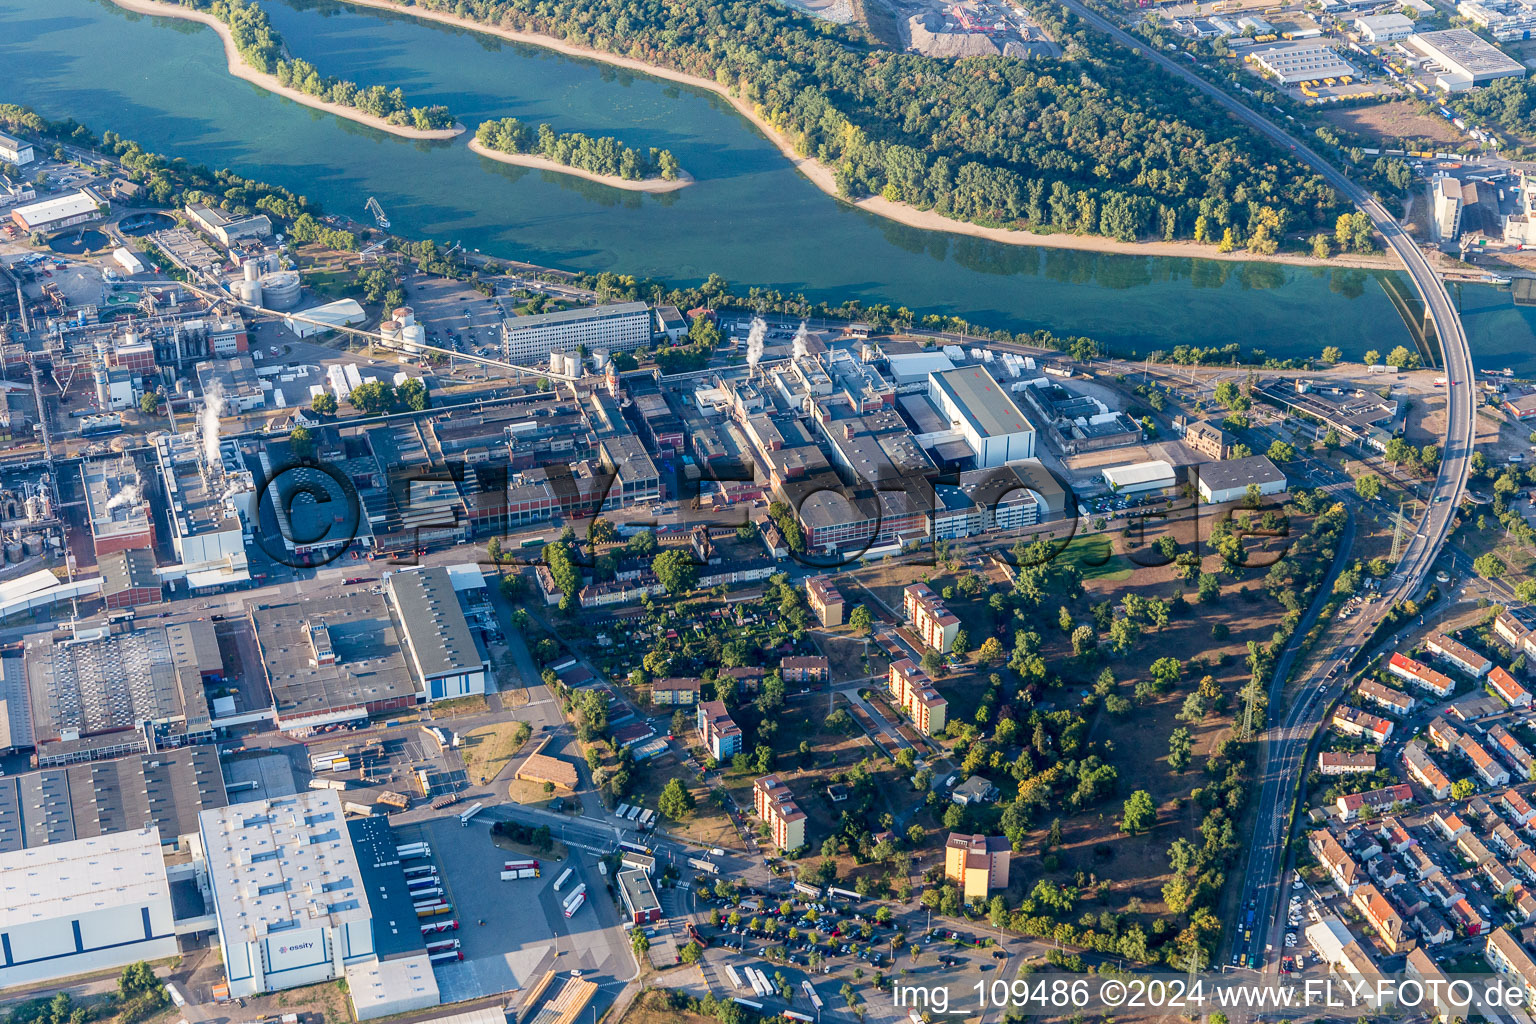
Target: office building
<point>289,896</point>
<point>1208,439</point>
<point>618,327</point>
<point>89,905</point>
<point>639,896</point>
<point>776,806</point>
<point>977,864</point>
<point>1384,28</point>
<point>15,151</point>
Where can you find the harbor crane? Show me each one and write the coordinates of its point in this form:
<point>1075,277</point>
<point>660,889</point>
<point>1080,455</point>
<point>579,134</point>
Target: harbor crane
<point>378,214</point>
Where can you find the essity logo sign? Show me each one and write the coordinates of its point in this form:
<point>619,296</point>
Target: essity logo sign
<point>283,950</point>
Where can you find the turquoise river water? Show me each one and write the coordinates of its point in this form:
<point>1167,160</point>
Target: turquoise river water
<point>750,218</point>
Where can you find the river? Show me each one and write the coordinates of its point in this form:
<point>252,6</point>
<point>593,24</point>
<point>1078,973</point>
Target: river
<point>751,218</point>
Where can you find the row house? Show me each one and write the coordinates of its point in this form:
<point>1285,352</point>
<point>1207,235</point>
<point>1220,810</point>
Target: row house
<point>1421,863</point>
<point>1473,849</point>
<point>914,693</point>
<point>1374,802</point>
<point>933,623</point>
<point>1390,927</point>
<point>1432,927</point>
<point>1487,769</point>
<point>1443,734</point>
<point>1525,862</point>
<point>1507,839</point>
<point>1467,918</point>
<point>1500,880</point>
<point>1389,697</point>
<point>1394,836</point>
<point>1343,762</point>
<point>1450,825</point>
<point>1522,904</point>
<point>1459,655</point>
<point>1420,675</point>
<point>1341,867</point>
<point>1504,686</point>
<point>1517,807</point>
<point>1407,899</point>
<point>1512,750</point>
<point>1423,770</point>
<point>1353,722</point>
<point>1441,891</point>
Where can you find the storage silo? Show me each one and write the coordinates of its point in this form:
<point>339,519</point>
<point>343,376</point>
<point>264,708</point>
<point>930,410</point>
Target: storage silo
<point>413,338</point>
<point>281,289</point>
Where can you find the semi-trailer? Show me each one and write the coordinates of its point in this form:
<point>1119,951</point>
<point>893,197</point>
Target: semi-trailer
<point>437,927</point>
<point>749,1004</point>
<point>420,869</point>
<point>441,945</point>
<point>565,876</point>
<point>433,909</point>
<point>847,894</point>
<point>468,815</point>
<point>622,812</point>
<point>512,876</point>
<point>811,991</point>
<point>447,957</point>
<point>704,865</point>
<point>436,892</point>
<point>730,972</point>
<point>812,891</point>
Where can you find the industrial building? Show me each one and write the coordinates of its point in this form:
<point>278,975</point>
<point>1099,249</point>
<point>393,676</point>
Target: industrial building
<point>60,212</point>
<point>618,327</point>
<point>289,896</point>
<point>324,319</point>
<point>978,407</point>
<point>102,690</point>
<point>445,658</point>
<point>88,905</point>
<point>1230,479</point>
<point>1464,59</point>
<point>639,896</point>
<point>1139,477</point>
<point>1505,20</point>
<point>116,505</point>
<point>15,151</point>
<point>213,511</point>
<point>226,227</point>
<point>332,657</point>
<point>1302,62</point>
<point>167,790</point>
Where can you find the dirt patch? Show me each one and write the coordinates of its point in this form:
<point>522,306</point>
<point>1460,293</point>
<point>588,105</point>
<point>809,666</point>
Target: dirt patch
<point>1393,122</point>
<point>709,824</point>
<point>654,1008</point>
<point>458,707</point>
<point>488,749</point>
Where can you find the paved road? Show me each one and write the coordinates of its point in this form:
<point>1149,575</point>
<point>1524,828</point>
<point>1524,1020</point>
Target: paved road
<point>1287,744</point>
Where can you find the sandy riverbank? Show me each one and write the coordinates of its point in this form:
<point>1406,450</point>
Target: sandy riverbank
<point>240,69</point>
<point>543,163</point>
<point>821,176</point>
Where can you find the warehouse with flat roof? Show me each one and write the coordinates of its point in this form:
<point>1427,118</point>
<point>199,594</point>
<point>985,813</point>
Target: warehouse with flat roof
<point>982,412</point>
<point>60,212</point>
<point>1302,62</point>
<point>288,892</point>
<point>444,656</point>
<point>88,905</point>
<point>1468,60</point>
<point>1229,479</point>
<point>1138,477</point>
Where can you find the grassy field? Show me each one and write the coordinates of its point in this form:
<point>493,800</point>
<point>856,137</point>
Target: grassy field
<point>1094,556</point>
<point>490,748</point>
<point>708,824</point>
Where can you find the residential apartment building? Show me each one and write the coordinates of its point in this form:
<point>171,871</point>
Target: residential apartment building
<point>1420,675</point>
<point>1512,693</point>
<point>1390,927</point>
<point>776,806</point>
<point>977,864</point>
<point>682,691</point>
<point>1341,867</point>
<point>933,623</point>
<point>1459,655</point>
<point>1512,750</point>
<point>1376,801</point>
<point>718,732</point>
<point>1338,762</point>
<point>1506,955</point>
<point>1354,722</point>
<point>1490,771</point>
<point>804,669</point>
<point>825,600</point>
<point>915,695</point>
<point>1391,698</point>
<point>1423,770</point>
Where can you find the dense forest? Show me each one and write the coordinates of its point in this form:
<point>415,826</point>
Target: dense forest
<point>262,48</point>
<point>605,155</point>
<point>1101,143</point>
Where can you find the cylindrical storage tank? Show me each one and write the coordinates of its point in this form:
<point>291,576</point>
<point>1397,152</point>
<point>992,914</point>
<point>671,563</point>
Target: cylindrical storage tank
<point>281,289</point>
<point>404,314</point>
<point>250,292</point>
<point>573,366</point>
<point>389,330</point>
<point>556,363</point>
<point>32,544</point>
<point>599,359</point>
<point>251,270</point>
<point>12,551</point>
<point>413,337</point>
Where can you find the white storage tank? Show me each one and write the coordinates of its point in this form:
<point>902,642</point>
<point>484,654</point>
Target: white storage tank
<point>405,315</point>
<point>413,337</point>
<point>281,289</point>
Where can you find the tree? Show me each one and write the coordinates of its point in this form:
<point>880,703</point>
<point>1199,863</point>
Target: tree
<point>991,651</point>
<point>1403,359</point>
<point>1208,587</point>
<point>1179,748</point>
<point>676,570</point>
<point>1320,247</point>
<point>1368,486</point>
<point>1461,789</point>
<point>640,943</point>
<point>149,403</point>
<point>690,953</point>
<point>675,802</point>
<point>324,403</point>
<point>961,643</point>
<point>1281,451</point>
<point>1331,354</point>
<point>302,442</point>
<point>861,621</point>
<point>1489,566</point>
<point>1139,813</point>
<point>1372,357</point>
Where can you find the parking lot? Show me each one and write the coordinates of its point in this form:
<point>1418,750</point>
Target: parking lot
<point>454,315</point>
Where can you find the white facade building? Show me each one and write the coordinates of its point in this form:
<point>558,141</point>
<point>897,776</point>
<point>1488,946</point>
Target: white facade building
<point>1384,28</point>
<point>81,906</point>
<point>618,327</point>
<point>1230,479</point>
<point>984,415</point>
<point>59,212</point>
<point>288,893</point>
<point>15,151</point>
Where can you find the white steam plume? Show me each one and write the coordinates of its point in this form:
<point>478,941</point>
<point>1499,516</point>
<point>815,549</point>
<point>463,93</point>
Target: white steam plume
<point>755,342</point>
<point>213,406</point>
<point>800,336</point>
<point>129,494</point>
